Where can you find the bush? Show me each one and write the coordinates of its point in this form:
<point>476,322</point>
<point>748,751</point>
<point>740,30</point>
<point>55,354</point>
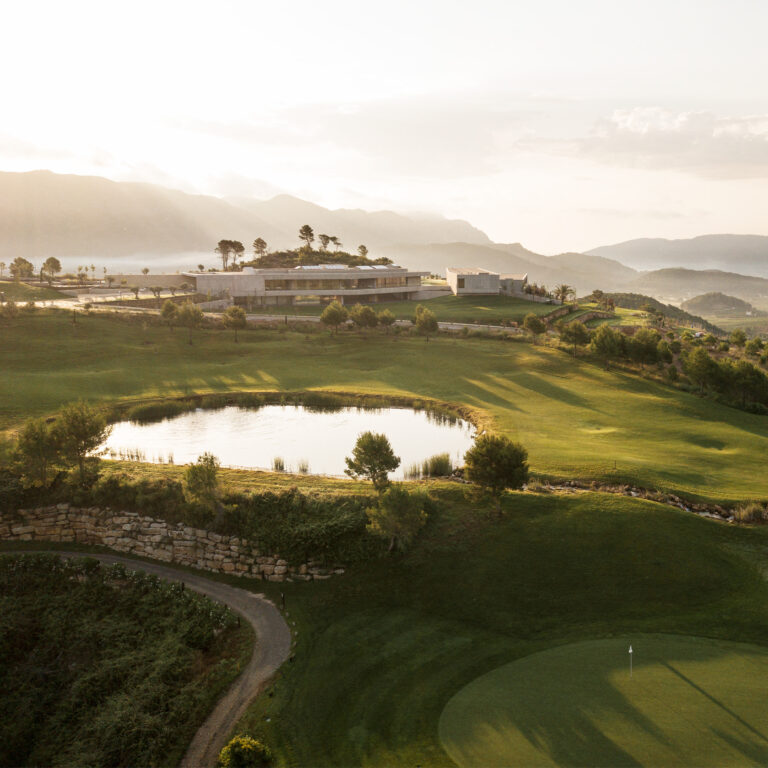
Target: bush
<point>751,512</point>
<point>244,752</point>
<point>437,466</point>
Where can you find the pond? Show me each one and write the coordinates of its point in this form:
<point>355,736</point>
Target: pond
<point>308,440</point>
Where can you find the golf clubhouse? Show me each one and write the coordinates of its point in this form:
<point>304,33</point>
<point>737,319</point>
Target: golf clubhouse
<point>318,284</point>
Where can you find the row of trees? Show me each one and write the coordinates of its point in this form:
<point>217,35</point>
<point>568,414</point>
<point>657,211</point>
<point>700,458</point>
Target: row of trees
<point>364,316</point>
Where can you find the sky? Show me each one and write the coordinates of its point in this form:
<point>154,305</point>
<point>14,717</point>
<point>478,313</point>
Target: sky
<point>557,124</point>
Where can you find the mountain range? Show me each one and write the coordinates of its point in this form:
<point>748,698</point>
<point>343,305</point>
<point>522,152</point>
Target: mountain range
<point>127,225</point>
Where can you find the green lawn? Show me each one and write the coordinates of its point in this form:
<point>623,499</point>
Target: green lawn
<point>487,310</point>
<point>382,650</point>
<point>23,292</point>
<point>575,418</point>
<point>689,701</point>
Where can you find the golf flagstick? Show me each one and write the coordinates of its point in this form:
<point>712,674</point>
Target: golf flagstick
<point>630,661</point>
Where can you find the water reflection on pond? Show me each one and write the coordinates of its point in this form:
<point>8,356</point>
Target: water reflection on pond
<point>307,439</point>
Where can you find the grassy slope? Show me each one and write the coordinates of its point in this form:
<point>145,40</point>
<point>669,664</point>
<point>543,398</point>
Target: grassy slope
<point>23,292</point>
<point>488,310</point>
<point>382,650</point>
<point>689,702</point>
<point>574,418</point>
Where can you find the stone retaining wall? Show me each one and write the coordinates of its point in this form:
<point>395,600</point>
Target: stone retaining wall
<point>145,536</point>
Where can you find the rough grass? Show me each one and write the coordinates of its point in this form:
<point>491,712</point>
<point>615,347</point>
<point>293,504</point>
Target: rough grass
<point>19,292</point>
<point>689,701</point>
<point>486,310</point>
<point>575,418</point>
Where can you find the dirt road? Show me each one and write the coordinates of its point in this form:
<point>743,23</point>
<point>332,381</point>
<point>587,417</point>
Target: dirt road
<point>273,646</point>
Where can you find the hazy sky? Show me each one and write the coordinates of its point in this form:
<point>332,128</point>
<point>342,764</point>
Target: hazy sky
<point>559,124</point>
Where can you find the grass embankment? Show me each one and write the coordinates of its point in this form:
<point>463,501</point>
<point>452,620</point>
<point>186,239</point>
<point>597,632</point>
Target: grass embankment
<point>381,650</point>
<point>103,667</point>
<point>485,310</point>
<point>18,292</point>
<point>688,701</point>
<point>575,418</point>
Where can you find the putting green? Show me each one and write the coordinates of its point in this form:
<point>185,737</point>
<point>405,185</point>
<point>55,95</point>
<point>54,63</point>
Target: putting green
<point>690,701</point>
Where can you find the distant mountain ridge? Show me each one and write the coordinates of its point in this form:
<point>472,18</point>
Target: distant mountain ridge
<point>125,225</point>
<point>46,214</point>
<point>746,254</point>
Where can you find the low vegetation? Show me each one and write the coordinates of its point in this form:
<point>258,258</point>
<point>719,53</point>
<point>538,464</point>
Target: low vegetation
<point>104,666</point>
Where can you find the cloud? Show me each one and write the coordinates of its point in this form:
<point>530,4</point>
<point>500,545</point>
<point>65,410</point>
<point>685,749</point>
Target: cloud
<point>699,143</point>
<point>430,137</point>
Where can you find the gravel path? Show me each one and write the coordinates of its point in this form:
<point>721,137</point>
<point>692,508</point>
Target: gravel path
<point>273,646</point>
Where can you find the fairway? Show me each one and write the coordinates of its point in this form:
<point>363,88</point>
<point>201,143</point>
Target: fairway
<point>690,701</point>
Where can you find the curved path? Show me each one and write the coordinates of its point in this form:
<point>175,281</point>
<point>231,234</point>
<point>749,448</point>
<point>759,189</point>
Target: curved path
<point>273,646</point>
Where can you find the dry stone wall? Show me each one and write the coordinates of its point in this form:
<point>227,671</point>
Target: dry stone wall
<point>135,534</point>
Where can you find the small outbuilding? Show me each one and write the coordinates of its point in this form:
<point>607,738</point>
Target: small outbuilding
<point>467,281</point>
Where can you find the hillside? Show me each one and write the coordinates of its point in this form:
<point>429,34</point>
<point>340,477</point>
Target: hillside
<point>94,219</point>
<point>717,303</point>
<point>584,272</point>
<point>638,301</point>
<point>677,285</point>
<point>731,253</point>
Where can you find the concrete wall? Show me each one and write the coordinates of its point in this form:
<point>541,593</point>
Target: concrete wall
<point>147,281</point>
<point>138,535</point>
<point>478,284</point>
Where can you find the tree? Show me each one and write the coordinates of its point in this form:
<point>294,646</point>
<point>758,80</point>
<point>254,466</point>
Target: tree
<point>2,268</point>
<point>307,235</point>
<point>224,248</point>
<point>237,250</point>
<point>606,344</point>
<point>244,752</point>
<point>21,268</point>
<point>202,481</point>
<point>201,267</point>
<point>324,240</point>
<point>334,315</point>
<point>738,338</point>
<point>145,271</point>
<point>372,458</point>
<point>701,368</point>
<point>80,430</point>
<point>563,292</point>
<point>234,317</point>
<point>398,516</point>
<point>156,291</point>
<point>51,268</point>
<point>362,251</point>
<point>534,325</point>
<point>134,289</point>
<point>109,280</point>
<point>496,463</point>
<point>363,316</point>
<point>190,317</point>
<point>170,313</point>
<point>754,347</point>
<point>336,243</point>
<point>260,247</point>
<point>425,321</point>
<point>644,346</point>
<point>574,333</point>
<point>37,450</point>
<point>386,319</point>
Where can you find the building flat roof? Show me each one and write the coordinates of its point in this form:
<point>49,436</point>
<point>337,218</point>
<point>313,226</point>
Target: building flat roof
<point>510,276</point>
<point>469,271</point>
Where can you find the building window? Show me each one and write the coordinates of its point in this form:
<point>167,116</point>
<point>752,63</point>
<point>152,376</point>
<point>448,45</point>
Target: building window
<point>460,282</point>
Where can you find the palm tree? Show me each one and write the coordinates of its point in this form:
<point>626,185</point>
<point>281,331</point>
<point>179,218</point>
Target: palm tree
<point>2,268</point>
<point>564,292</point>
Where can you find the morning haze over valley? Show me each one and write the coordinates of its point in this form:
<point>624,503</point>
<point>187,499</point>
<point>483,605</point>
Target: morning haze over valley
<point>383,384</point>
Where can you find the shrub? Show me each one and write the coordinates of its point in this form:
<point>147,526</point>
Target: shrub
<point>496,463</point>
<point>278,464</point>
<point>439,465</point>
<point>751,512</point>
<point>244,752</point>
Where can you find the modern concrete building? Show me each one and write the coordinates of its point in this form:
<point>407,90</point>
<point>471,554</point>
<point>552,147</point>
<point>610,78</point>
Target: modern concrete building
<point>311,284</point>
<point>464,282</point>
